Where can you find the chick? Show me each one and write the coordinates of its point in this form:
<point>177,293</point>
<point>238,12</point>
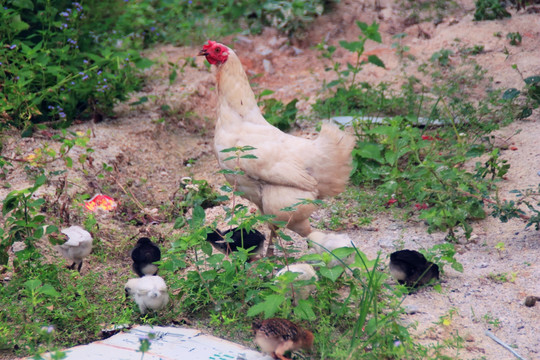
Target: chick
<point>331,242</point>
<point>77,247</point>
<point>306,272</point>
<point>240,239</point>
<point>149,292</point>
<point>144,254</point>
<point>277,336</point>
<point>411,268</point>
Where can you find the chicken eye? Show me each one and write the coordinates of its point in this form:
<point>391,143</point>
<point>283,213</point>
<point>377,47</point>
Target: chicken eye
<point>218,50</point>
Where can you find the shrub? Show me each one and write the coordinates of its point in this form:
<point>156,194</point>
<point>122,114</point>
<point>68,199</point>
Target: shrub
<point>54,68</point>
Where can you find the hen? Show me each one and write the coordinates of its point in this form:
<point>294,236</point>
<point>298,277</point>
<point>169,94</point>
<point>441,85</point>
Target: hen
<point>287,168</point>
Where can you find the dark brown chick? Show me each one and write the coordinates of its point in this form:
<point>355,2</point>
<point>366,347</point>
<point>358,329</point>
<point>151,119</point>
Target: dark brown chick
<point>277,336</point>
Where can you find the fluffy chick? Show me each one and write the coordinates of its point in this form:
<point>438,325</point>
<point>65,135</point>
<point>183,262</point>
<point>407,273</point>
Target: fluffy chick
<point>306,272</point>
<point>144,254</point>
<point>149,292</point>
<point>77,247</point>
<point>411,268</point>
<point>332,242</point>
<point>240,239</point>
<point>277,336</point>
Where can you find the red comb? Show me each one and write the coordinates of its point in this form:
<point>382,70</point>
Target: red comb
<point>209,45</point>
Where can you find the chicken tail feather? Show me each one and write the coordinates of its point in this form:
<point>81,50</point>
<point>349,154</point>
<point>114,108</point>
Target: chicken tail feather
<point>334,168</point>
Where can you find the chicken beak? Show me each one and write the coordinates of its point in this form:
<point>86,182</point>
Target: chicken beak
<point>203,52</point>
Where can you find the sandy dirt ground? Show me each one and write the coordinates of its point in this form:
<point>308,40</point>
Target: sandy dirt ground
<point>153,155</point>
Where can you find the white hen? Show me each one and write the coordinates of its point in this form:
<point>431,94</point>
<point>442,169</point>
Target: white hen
<point>149,292</point>
<point>77,247</point>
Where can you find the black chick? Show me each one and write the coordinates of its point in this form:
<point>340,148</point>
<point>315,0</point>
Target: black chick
<point>240,239</point>
<point>144,254</point>
<point>411,268</point>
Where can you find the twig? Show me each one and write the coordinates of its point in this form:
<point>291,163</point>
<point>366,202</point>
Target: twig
<point>499,341</point>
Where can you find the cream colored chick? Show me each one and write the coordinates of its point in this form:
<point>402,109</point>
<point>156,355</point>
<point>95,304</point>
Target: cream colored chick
<point>149,292</point>
<point>277,336</point>
<point>306,272</point>
<point>331,242</point>
<point>77,247</point>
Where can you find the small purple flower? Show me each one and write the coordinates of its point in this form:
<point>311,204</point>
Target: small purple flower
<point>85,77</point>
<point>48,329</point>
<point>64,14</point>
<point>62,115</point>
<point>85,61</point>
<point>16,78</point>
<point>81,73</point>
<point>99,72</point>
<point>397,343</point>
<point>152,29</point>
<point>105,80</point>
<point>105,86</point>
<point>0,63</point>
<point>64,26</point>
<point>68,10</point>
<point>13,46</point>
<point>50,107</point>
<point>73,83</point>
<point>190,2</point>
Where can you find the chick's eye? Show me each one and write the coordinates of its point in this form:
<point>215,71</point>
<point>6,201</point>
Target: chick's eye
<point>218,50</point>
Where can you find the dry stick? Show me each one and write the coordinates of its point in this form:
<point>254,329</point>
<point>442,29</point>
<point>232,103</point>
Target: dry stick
<point>499,341</point>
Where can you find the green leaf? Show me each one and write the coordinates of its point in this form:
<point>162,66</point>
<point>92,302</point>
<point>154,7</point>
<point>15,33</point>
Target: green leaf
<point>304,310</point>
<point>331,273</point>
<point>510,94</point>
<point>143,63</point>
<point>179,222</point>
<point>40,181</point>
<point>353,46</point>
<point>248,156</point>
<point>269,306</point>
<point>23,4</point>
<point>141,100</point>
<point>32,284</point>
<point>197,219</point>
<point>265,92</point>
<point>47,289</point>
<point>374,59</point>
<point>532,80</point>
<point>206,248</point>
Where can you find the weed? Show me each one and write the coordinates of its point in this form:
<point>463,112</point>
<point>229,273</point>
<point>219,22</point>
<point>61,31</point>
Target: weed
<point>514,37</point>
<point>276,112</point>
<point>490,10</point>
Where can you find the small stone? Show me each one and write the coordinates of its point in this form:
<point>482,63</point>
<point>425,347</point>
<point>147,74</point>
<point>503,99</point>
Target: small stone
<point>411,309</point>
<point>268,67</point>
<point>469,338</point>
<point>483,265</point>
<point>538,173</point>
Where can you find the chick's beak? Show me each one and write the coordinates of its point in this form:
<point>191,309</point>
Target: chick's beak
<point>203,52</point>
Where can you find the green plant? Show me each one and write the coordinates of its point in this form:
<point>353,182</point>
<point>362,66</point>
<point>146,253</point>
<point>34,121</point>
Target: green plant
<point>442,57</point>
<point>490,10</point>
<point>60,72</point>
<point>510,209</point>
<point>276,112</point>
<point>514,37</point>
